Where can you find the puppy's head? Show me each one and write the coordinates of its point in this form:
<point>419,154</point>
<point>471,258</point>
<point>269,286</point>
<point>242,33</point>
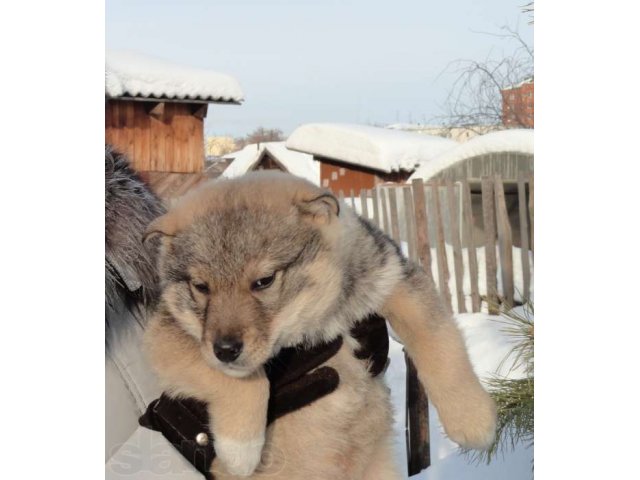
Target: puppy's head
<point>246,266</point>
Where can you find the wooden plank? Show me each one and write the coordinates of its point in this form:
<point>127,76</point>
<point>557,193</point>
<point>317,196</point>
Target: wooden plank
<point>123,133</point>
<point>454,231</point>
<point>488,216</point>
<point>180,162</point>
<point>422,225</point>
<point>441,252</point>
<point>524,238</point>
<point>155,109</point>
<point>131,135</point>
<point>376,207</point>
<point>112,122</point>
<point>471,247</point>
<point>409,223</point>
<point>157,143</point>
<point>199,110</point>
<point>531,210</point>
<point>364,207</point>
<point>385,210</point>
<point>196,141</point>
<point>169,138</point>
<point>393,208</point>
<point>505,240</point>
<point>142,137</point>
<point>417,420</point>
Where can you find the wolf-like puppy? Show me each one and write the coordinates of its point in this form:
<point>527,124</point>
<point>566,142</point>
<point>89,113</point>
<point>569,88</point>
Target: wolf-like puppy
<point>265,261</point>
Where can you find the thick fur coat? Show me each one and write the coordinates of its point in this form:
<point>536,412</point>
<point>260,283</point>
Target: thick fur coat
<point>266,261</point>
<point>130,270</point>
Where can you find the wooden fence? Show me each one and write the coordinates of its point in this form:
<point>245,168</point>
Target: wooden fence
<point>464,236</point>
<point>467,245</point>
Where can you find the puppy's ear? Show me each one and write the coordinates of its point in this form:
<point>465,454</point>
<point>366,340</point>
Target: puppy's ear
<point>164,226</point>
<point>321,209</point>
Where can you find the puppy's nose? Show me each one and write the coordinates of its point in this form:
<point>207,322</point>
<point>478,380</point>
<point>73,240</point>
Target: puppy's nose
<point>227,349</point>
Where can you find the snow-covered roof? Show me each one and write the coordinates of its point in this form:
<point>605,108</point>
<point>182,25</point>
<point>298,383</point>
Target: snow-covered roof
<point>518,140</point>
<point>518,85</point>
<point>370,147</point>
<point>130,74</point>
<point>296,163</point>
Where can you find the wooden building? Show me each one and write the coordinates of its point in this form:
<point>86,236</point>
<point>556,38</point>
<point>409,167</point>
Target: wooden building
<point>355,157</point>
<point>155,111</point>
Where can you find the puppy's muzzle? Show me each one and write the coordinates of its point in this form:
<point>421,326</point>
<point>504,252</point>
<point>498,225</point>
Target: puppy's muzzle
<point>227,349</point>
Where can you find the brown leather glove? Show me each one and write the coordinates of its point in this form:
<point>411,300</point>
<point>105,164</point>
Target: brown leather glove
<point>295,383</point>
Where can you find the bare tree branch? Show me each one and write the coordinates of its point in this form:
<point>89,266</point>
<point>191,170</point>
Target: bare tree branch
<point>475,99</point>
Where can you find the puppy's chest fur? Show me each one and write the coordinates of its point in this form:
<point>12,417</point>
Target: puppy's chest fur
<point>334,436</point>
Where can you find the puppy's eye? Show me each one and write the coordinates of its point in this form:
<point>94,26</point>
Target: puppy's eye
<point>201,287</point>
<point>263,283</point>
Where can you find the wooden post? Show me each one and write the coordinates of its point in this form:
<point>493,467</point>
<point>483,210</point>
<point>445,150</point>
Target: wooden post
<point>441,252</point>
<point>341,196</point>
<point>417,411</point>
<point>417,420</point>
<point>488,216</point>
<point>376,213</point>
<point>410,225</point>
<point>353,199</point>
<point>385,211</point>
<point>422,225</point>
<point>524,238</point>
<point>454,230</point>
<point>364,207</point>
<point>506,243</point>
<point>393,207</point>
<point>471,246</point>
<point>531,210</point>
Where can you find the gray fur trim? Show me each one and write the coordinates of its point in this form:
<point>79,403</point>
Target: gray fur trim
<point>130,270</point>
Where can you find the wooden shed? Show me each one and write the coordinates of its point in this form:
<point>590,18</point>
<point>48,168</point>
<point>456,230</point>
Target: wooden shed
<point>355,157</point>
<point>155,110</point>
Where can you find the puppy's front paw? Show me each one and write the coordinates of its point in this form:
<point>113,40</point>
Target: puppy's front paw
<point>470,421</point>
<point>239,458</point>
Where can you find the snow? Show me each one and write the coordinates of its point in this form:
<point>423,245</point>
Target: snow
<point>487,346</point>
<point>518,140</point>
<point>299,164</point>
<point>135,75</point>
<point>518,277</point>
<point>372,147</point>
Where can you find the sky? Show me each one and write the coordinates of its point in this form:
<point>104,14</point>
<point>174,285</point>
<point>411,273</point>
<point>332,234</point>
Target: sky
<point>350,61</point>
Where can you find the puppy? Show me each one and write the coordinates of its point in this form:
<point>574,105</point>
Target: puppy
<point>251,265</point>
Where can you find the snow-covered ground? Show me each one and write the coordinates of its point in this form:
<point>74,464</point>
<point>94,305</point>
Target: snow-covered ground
<point>487,347</point>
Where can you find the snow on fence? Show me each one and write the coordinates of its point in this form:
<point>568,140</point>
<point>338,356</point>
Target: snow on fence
<point>474,268</point>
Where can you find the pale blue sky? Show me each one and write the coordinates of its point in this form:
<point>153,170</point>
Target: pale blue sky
<point>319,60</point>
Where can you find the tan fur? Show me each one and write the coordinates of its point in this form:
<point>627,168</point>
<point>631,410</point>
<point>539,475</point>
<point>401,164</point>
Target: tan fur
<point>434,343</point>
<point>331,270</point>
